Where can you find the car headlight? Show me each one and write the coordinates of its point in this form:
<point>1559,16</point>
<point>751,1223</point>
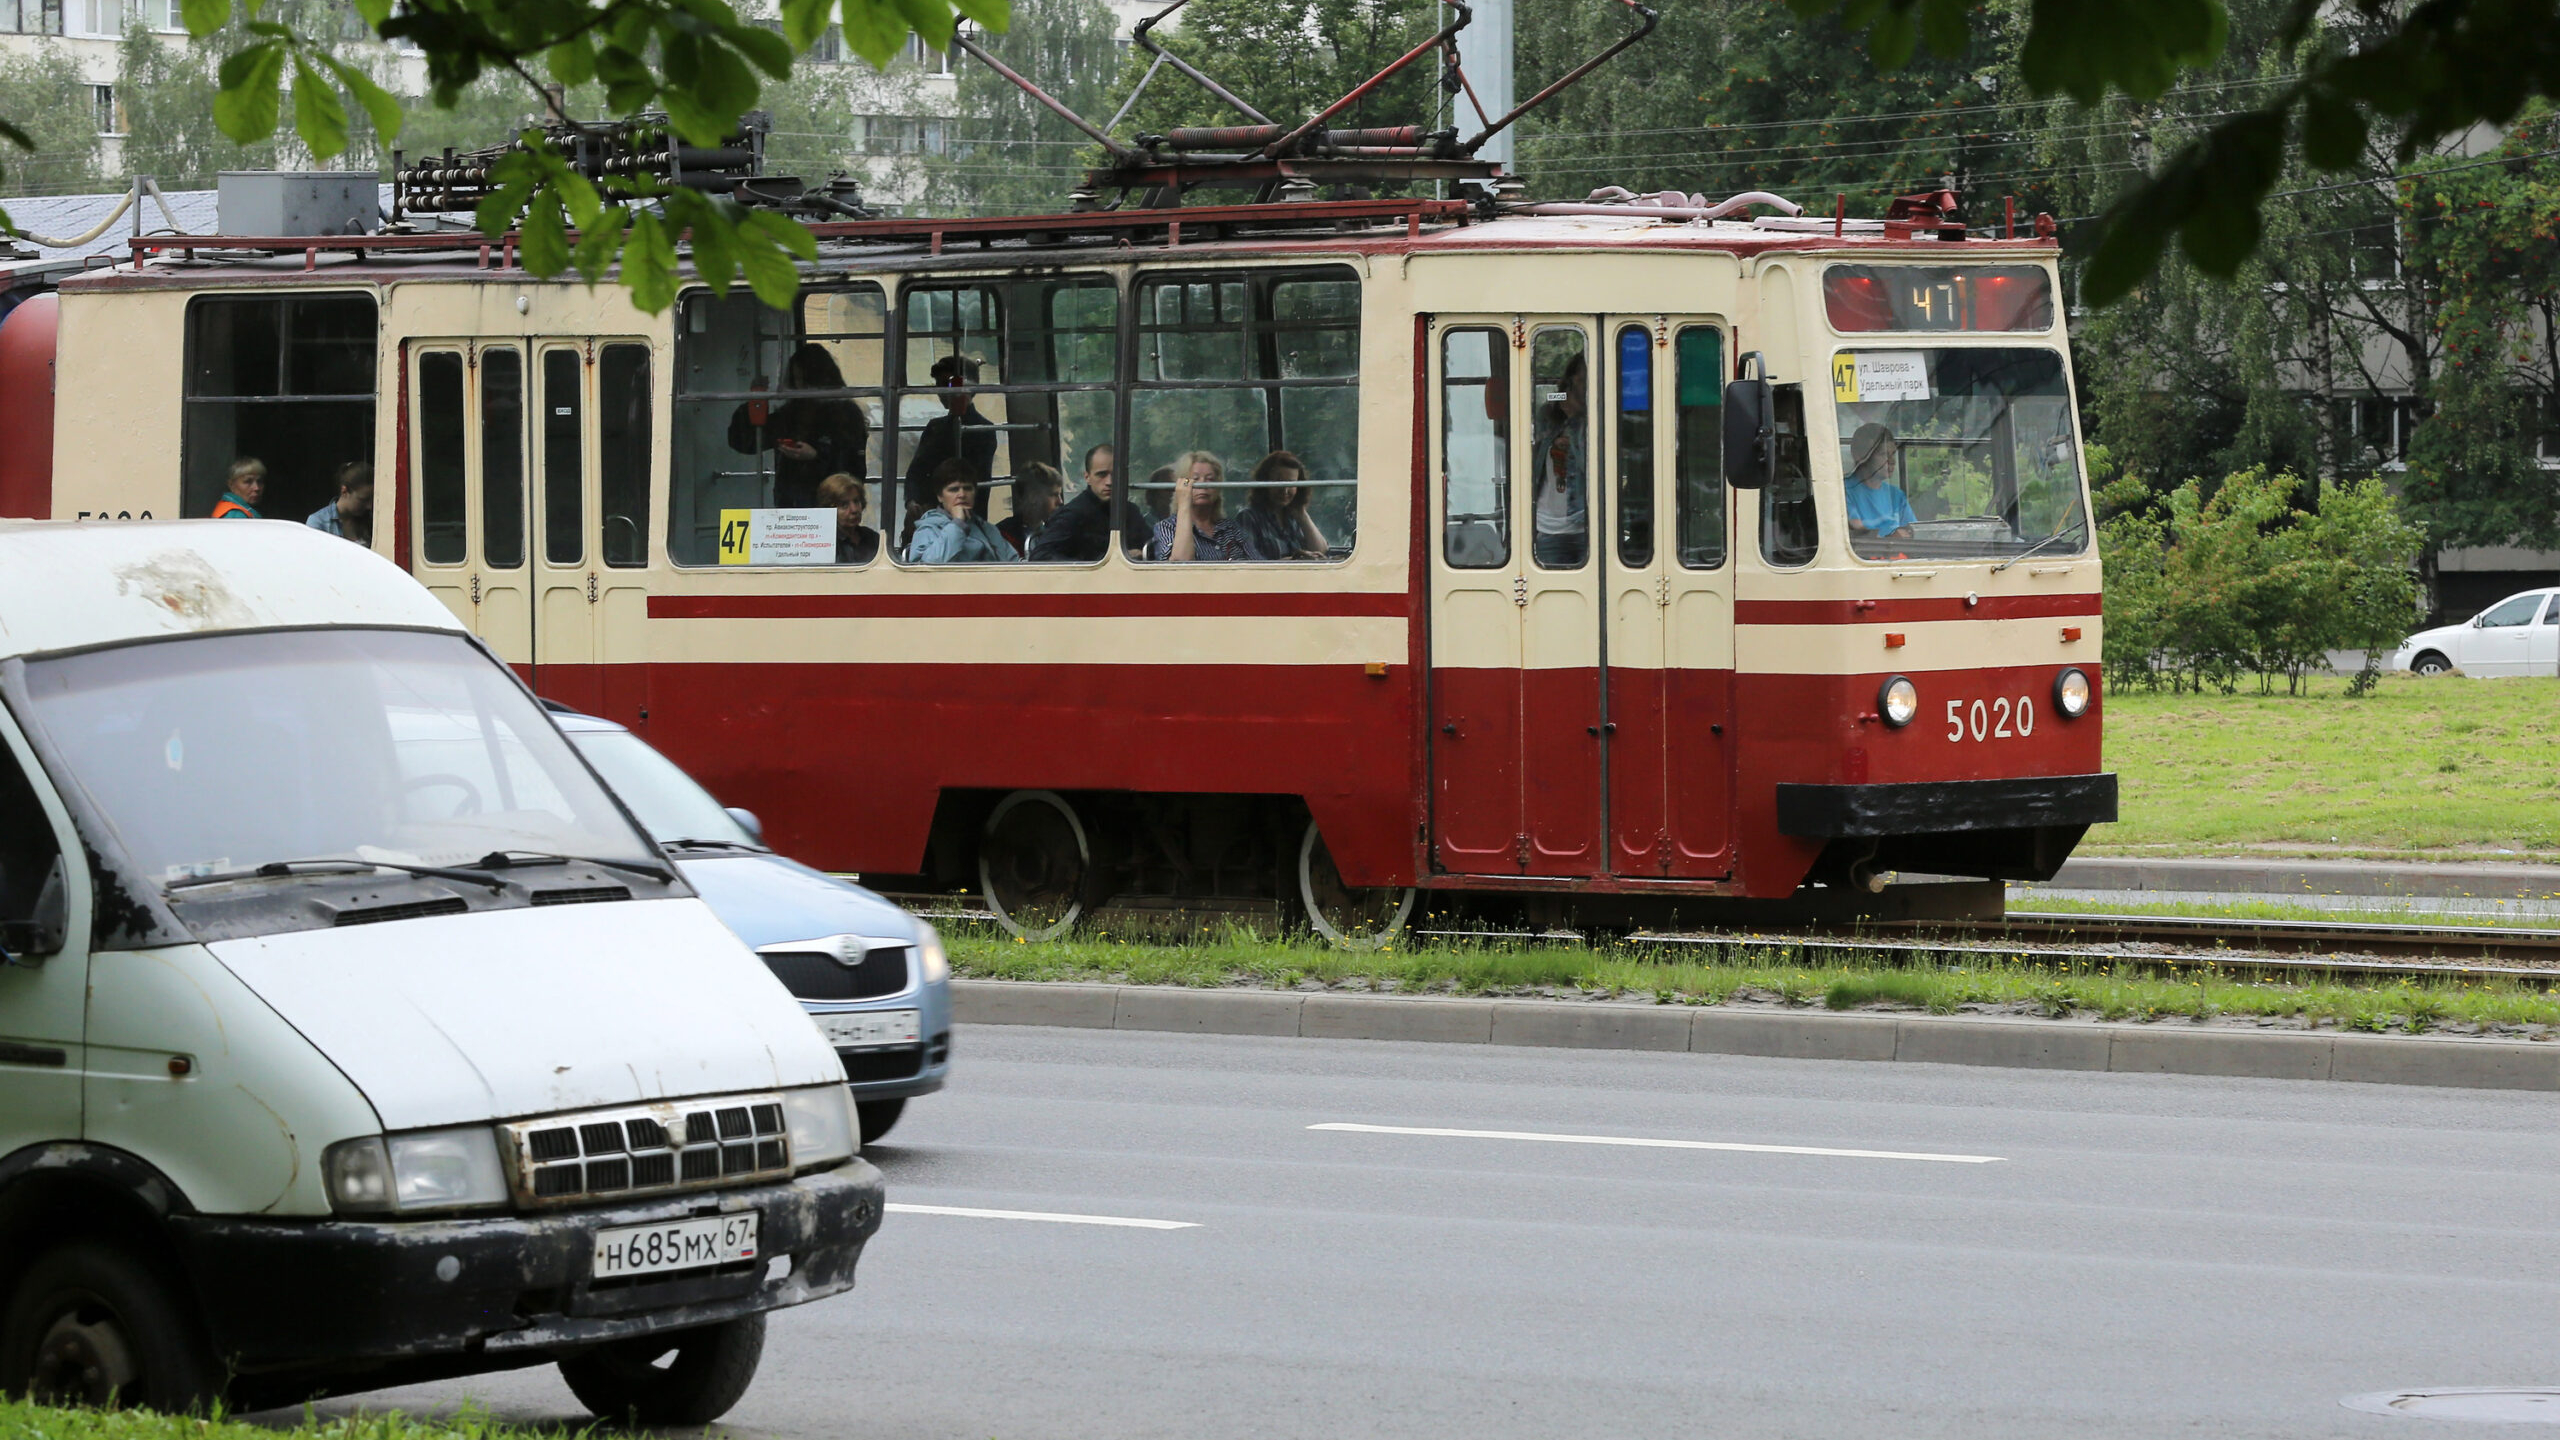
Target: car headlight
<point>2071,693</point>
<point>930,959</point>
<point>1898,702</point>
<point>822,1125</point>
<point>454,1169</point>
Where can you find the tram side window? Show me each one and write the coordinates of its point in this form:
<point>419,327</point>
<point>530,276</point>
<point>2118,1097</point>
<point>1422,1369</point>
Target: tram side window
<point>288,380</point>
<point>1698,441</point>
<point>563,474</point>
<point>502,458</point>
<point>769,404</point>
<point>1475,449</point>
<point>440,457</point>
<point>1252,378</point>
<point>1790,533</point>
<point>1015,380</point>
<point>1560,448</point>
<point>1634,397</point>
<point>622,453</point>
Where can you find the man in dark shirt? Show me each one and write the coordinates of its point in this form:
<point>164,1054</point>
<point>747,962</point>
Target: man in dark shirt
<point>1081,530</point>
<point>962,433</point>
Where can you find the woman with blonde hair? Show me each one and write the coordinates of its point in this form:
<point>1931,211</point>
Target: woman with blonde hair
<point>1198,528</point>
<point>856,543</point>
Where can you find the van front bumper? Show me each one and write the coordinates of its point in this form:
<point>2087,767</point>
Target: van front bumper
<point>358,1304</point>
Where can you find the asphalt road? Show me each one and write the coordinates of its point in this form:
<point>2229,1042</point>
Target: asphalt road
<point>2146,1255</point>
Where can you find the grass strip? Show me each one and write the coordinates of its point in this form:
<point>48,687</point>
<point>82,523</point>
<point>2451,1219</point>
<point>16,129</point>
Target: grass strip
<point>1940,983</point>
<point>2270,910</point>
<point>21,1421</point>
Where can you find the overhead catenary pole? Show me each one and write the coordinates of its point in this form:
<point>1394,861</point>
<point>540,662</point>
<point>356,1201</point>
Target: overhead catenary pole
<point>1484,52</point>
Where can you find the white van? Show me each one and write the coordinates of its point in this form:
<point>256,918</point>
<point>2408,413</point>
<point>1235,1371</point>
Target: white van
<point>351,1033</point>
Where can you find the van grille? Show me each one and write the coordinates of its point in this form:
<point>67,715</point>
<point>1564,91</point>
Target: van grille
<point>822,975</point>
<point>406,910</point>
<point>643,1150</point>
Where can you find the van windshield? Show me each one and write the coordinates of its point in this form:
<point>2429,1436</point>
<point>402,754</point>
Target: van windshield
<point>224,752</point>
<point>1958,453</point>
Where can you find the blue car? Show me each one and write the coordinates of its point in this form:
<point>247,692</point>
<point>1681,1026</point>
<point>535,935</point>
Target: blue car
<point>873,976</point>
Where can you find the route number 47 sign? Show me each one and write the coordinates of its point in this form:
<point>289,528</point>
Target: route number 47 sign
<point>1862,375</point>
<point>778,537</point>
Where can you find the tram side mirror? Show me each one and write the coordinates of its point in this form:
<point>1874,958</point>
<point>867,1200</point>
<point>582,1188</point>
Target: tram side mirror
<point>1750,429</point>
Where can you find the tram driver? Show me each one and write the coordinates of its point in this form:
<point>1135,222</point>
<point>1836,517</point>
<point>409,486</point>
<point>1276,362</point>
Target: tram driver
<point>1877,509</point>
<point>811,436</point>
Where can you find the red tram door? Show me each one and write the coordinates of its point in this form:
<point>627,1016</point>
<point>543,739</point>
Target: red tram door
<point>1581,609</point>
<point>1515,613</point>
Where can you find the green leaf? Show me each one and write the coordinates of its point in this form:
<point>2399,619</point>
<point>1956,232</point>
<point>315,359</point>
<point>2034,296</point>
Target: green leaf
<point>992,15</point>
<point>803,21</point>
<point>931,19</point>
<point>572,61</point>
<point>714,258</point>
<point>1946,25</point>
<point>15,136</point>
<point>2333,130</point>
<point>317,116</point>
<point>726,86</point>
<point>203,17</point>
<point>1892,38</point>
<point>515,176</point>
<point>545,248</point>
<point>784,231</point>
<point>373,12</point>
<point>599,242</point>
<point>246,108</point>
<point>649,264</point>
<point>2080,48</point>
<point>874,30</point>
<point>378,103</point>
<point>769,51</point>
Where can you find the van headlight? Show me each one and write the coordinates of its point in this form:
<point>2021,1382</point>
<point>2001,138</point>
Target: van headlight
<point>822,1125</point>
<point>2071,693</point>
<point>454,1169</point>
<point>931,962</point>
<point>1898,702</point>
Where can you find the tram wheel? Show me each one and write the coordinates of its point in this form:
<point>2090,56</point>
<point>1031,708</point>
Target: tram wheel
<point>1352,917</point>
<point>1034,860</point>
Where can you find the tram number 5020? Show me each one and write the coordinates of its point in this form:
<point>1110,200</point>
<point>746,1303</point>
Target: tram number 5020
<point>1999,719</point>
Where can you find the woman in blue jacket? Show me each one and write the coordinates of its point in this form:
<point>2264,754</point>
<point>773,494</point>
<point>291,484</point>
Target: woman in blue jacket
<point>953,533</point>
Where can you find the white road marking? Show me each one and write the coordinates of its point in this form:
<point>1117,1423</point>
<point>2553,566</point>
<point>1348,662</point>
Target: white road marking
<point>1055,1219</point>
<point>1661,1144</point>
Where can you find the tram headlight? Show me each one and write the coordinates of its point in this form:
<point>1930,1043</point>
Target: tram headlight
<point>2071,693</point>
<point>1898,702</point>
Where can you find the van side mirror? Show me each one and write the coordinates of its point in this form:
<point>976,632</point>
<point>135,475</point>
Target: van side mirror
<point>1750,431</point>
<point>748,822</point>
<point>43,932</point>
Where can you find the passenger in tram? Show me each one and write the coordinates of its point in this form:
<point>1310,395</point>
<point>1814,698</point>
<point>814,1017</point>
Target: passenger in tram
<point>811,436</point>
<point>1198,528</point>
<point>242,489</point>
<point>1159,497</point>
<point>350,516</point>
<point>953,533</point>
<point>1877,509</point>
<point>1081,530</point>
<point>1036,493</point>
<point>960,434</point>
<point>856,543</point>
<point>1561,451</point>
<point>1274,524</point>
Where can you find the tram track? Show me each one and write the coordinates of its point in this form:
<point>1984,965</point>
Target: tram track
<point>2176,944</point>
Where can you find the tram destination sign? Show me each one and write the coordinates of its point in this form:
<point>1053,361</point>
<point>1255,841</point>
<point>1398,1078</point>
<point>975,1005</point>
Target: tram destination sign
<point>1864,299</point>
<point>777,537</point>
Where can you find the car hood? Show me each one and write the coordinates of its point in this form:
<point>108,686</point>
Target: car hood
<point>767,900</point>
<point>454,1019</point>
<point>2438,638</point>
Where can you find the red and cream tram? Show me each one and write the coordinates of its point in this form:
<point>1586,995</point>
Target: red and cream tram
<point>1639,553</point>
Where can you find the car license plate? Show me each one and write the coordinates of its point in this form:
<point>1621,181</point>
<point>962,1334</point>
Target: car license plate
<point>675,1245</point>
<point>871,1029</point>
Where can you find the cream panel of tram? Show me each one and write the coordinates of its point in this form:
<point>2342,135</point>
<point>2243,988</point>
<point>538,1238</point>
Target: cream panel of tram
<point>119,367</point>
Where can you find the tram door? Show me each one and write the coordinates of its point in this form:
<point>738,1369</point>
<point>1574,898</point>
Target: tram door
<point>1515,623</point>
<point>1668,643</point>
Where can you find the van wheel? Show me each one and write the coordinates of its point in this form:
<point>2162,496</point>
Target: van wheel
<point>2430,663</point>
<point>878,1116</point>
<point>684,1377</point>
<point>92,1324</point>
<point>1353,918</point>
<point>1035,862</point>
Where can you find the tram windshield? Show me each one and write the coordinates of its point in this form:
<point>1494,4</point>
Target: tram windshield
<point>1958,454</point>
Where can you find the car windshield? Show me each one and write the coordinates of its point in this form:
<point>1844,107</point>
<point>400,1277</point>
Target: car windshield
<point>223,752</point>
<point>1958,454</point>
<point>670,805</point>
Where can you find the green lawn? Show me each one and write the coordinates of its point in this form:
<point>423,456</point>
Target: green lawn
<point>20,1421</point>
<point>2443,769</point>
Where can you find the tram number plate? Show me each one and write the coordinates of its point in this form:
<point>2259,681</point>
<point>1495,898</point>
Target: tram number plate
<point>675,1245</point>
<point>870,1029</point>
<point>2002,717</point>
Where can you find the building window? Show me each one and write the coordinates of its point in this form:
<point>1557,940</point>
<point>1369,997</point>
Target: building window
<point>286,381</point>
<point>927,59</point>
<point>31,17</point>
<point>2374,430</point>
<point>110,121</point>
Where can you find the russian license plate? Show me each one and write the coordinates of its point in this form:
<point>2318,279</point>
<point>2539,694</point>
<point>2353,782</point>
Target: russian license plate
<point>871,1029</point>
<point>675,1245</point>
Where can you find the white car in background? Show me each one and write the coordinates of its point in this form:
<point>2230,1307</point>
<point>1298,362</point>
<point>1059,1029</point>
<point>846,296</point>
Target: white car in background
<point>2519,635</point>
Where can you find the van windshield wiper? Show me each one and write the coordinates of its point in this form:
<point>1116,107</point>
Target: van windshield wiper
<point>511,859</point>
<point>279,869</point>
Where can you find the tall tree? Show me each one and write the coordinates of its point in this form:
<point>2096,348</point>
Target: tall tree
<point>46,86</point>
<point>1007,154</point>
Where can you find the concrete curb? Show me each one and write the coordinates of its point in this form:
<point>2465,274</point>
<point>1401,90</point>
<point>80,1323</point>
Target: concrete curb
<point>2162,1048</point>
<point>2475,881</point>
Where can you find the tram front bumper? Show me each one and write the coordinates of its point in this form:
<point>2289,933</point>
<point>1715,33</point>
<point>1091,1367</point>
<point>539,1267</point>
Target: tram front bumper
<point>1939,807</point>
